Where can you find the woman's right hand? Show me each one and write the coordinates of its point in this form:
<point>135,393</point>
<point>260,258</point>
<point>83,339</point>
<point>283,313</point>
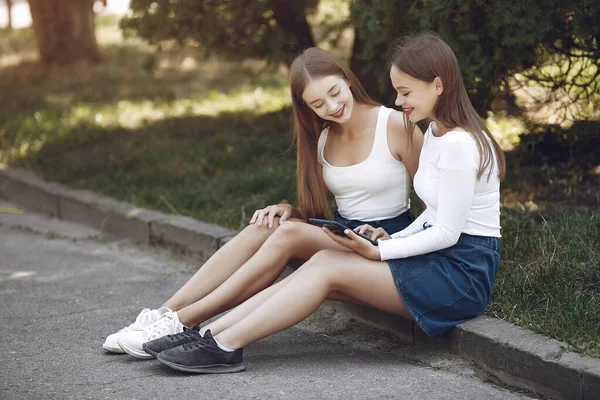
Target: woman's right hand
<point>373,233</point>
<point>283,210</point>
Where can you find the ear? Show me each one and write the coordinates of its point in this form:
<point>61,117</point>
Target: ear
<point>439,86</point>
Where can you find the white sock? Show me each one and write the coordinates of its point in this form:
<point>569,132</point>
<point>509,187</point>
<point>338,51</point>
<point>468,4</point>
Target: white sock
<point>222,347</point>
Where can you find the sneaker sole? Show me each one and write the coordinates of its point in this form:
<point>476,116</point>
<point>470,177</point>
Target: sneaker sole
<point>151,352</point>
<point>134,352</point>
<point>213,369</point>
<point>112,349</point>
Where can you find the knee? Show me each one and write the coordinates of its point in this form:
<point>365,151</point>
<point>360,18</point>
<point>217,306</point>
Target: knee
<point>255,231</point>
<point>322,263</point>
<point>329,264</point>
<point>286,234</point>
<point>324,256</point>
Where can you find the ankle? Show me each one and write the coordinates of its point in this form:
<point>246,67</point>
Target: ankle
<point>226,343</point>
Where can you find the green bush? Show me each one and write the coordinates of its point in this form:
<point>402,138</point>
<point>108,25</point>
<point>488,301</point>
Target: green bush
<point>492,41</point>
<point>577,147</point>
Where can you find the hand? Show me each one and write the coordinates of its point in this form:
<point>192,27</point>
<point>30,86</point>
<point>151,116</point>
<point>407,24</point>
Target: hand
<point>373,233</point>
<point>283,210</point>
<point>356,244</point>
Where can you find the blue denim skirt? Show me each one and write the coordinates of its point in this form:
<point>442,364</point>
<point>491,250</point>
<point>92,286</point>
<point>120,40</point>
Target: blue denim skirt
<point>449,286</point>
<point>391,225</point>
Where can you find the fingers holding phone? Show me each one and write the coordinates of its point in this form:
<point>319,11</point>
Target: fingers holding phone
<point>373,233</point>
<point>354,242</point>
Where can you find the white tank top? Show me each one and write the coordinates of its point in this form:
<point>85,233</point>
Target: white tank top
<point>375,189</point>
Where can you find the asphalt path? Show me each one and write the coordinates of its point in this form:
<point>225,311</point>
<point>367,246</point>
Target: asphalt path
<point>65,287</point>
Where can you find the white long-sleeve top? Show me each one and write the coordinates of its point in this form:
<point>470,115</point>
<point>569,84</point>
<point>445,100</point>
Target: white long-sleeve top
<point>457,202</point>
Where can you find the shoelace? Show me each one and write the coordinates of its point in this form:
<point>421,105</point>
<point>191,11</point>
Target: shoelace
<point>161,327</point>
<point>143,319</point>
<point>201,342</point>
<point>187,332</point>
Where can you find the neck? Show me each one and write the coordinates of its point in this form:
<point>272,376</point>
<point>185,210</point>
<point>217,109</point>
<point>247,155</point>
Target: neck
<point>355,126</point>
<point>439,129</point>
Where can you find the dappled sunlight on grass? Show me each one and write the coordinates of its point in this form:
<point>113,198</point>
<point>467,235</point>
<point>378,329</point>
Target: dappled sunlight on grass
<point>54,122</point>
<point>134,88</point>
<point>210,167</point>
<point>134,114</point>
<point>108,32</point>
<point>17,46</point>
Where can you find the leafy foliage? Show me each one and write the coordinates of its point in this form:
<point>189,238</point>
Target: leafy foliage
<point>377,24</point>
<point>240,29</point>
<point>553,45</point>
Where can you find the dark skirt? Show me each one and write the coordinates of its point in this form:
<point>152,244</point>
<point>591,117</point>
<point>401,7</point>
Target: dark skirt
<point>391,225</point>
<point>449,286</point>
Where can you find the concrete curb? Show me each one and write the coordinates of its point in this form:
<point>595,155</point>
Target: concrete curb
<point>111,216</point>
<point>514,355</point>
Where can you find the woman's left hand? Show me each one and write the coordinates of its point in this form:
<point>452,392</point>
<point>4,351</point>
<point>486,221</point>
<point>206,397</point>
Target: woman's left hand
<point>355,243</point>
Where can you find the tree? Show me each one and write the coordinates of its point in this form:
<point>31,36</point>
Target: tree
<point>270,29</point>
<point>376,25</point>
<point>552,45</point>
<point>9,12</point>
<point>501,46</point>
<point>64,30</point>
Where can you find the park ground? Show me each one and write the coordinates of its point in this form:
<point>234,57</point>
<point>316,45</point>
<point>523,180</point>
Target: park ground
<point>212,139</point>
<point>64,287</point>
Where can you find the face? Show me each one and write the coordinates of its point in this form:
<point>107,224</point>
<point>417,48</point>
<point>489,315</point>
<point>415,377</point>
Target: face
<point>330,98</point>
<point>417,98</point>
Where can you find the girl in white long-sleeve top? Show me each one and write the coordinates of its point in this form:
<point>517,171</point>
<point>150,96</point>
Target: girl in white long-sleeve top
<point>439,271</point>
<point>341,135</point>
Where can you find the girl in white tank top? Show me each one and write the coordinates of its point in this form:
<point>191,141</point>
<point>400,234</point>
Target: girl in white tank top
<point>364,157</point>
<point>374,189</point>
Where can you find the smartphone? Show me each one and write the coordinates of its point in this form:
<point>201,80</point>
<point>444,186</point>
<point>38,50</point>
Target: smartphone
<point>338,228</point>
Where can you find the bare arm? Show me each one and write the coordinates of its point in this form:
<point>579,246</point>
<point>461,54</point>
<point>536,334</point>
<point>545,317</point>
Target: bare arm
<point>403,148</point>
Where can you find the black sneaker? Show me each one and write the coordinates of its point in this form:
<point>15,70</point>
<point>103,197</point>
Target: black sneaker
<point>203,357</point>
<point>188,335</point>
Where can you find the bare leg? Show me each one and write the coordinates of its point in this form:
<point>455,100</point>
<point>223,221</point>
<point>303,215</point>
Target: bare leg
<point>221,265</point>
<point>247,307</point>
<point>241,311</point>
<point>291,240</point>
<point>349,274</point>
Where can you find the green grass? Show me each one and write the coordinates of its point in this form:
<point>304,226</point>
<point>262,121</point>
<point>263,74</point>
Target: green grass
<point>215,169</point>
<point>549,281</point>
<point>212,140</point>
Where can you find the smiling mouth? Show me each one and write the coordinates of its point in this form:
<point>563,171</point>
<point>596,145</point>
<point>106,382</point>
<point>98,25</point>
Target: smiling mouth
<point>407,111</point>
<point>340,113</point>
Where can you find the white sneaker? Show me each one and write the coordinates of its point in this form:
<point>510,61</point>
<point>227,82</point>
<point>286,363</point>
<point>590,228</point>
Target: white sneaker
<point>145,318</point>
<point>131,342</point>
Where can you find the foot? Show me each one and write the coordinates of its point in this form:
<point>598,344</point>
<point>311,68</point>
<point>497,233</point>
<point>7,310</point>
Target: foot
<point>203,357</point>
<point>132,342</point>
<point>144,319</point>
<point>188,335</point>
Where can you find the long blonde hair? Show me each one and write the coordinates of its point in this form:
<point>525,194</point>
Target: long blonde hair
<point>314,63</point>
<point>426,57</point>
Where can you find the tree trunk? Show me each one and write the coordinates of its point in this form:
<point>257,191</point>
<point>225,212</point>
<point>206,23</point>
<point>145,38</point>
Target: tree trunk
<point>65,30</point>
<point>9,11</point>
<point>291,16</point>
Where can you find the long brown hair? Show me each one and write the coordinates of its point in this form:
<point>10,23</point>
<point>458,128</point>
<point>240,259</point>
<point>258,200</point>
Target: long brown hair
<point>315,63</point>
<point>426,57</point>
